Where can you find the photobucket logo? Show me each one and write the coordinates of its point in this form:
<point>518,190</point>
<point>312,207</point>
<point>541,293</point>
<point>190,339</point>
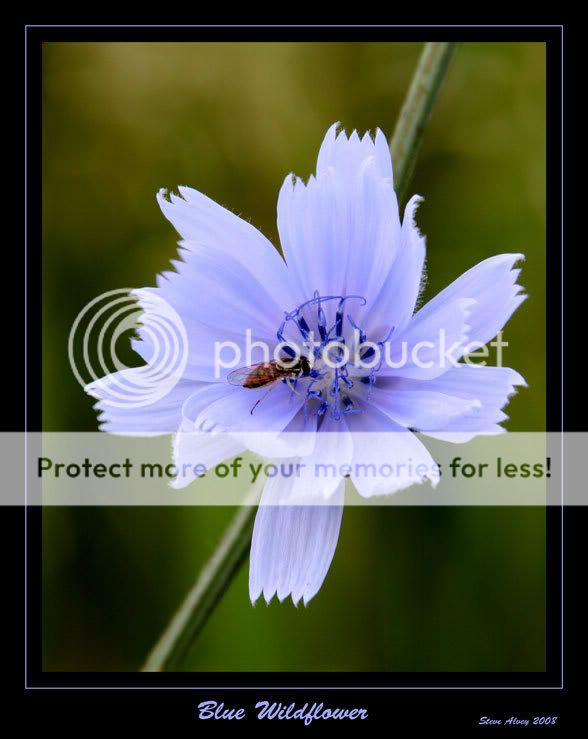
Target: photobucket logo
<point>363,355</point>
<point>106,323</point>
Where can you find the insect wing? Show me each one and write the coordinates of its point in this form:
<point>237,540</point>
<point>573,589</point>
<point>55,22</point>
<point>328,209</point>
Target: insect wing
<point>240,376</point>
<point>256,375</point>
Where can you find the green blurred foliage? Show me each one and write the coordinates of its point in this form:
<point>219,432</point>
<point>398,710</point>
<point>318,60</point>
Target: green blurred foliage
<point>409,589</point>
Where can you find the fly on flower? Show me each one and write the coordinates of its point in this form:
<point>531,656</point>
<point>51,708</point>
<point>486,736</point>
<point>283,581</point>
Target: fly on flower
<point>268,373</point>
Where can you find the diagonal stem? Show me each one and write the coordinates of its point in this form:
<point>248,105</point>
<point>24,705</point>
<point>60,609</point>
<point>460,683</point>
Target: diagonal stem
<point>416,110</point>
<point>219,571</point>
<point>209,588</point>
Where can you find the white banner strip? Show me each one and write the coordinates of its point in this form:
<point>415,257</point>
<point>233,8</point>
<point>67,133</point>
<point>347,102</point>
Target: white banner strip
<point>78,469</point>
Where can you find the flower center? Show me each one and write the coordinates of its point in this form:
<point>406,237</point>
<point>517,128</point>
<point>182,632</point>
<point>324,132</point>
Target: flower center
<point>340,365</point>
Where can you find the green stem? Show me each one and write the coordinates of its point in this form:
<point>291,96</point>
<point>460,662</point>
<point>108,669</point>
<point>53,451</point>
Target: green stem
<point>416,110</point>
<point>224,564</point>
<point>207,591</point>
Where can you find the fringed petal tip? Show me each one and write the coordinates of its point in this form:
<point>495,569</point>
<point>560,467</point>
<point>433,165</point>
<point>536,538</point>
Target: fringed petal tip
<point>91,390</point>
<point>347,152</point>
<point>165,195</point>
<point>337,130</point>
<point>292,547</point>
<point>517,380</point>
<point>297,599</point>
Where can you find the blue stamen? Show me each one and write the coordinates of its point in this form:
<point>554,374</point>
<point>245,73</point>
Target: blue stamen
<point>304,327</point>
<point>362,336</point>
<point>339,317</point>
<point>369,352</point>
<point>320,299</point>
<point>333,396</point>
<point>322,319</point>
<point>372,380</point>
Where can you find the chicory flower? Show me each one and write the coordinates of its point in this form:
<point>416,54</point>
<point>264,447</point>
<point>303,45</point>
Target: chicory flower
<point>350,278</point>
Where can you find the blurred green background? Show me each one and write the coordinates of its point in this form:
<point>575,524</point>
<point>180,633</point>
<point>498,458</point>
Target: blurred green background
<point>409,589</point>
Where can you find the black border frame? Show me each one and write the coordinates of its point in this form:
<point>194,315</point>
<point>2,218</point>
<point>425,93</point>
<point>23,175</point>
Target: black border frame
<point>290,683</point>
